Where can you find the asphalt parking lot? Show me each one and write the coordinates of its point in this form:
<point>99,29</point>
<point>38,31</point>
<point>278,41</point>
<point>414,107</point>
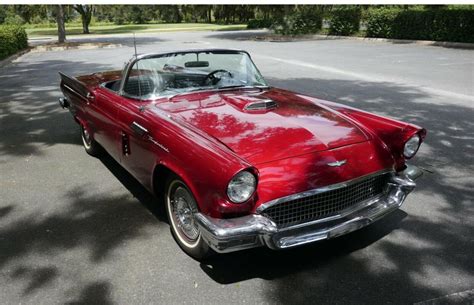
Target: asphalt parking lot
<point>80,230</point>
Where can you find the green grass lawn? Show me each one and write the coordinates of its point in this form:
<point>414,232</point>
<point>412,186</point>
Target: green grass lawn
<point>138,28</point>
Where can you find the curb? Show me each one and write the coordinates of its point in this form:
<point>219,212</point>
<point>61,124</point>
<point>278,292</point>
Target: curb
<point>445,44</point>
<point>81,46</point>
<point>46,48</point>
<point>8,60</point>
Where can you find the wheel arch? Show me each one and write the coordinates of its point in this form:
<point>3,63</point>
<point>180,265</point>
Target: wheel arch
<point>162,172</point>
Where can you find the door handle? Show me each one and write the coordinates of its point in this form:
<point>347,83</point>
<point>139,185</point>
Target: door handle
<point>139,129</point>
<point>90,98</point>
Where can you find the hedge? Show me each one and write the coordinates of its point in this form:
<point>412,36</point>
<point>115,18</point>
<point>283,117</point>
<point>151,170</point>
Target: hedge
<point>441,25</point>
<point>259,23</point>
<point>434,24</point>
<point>13,38</point>
<point>344,21</point>
<point>302,21</point>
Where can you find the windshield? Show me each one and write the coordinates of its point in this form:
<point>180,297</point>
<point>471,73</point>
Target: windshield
<point>177,73</point>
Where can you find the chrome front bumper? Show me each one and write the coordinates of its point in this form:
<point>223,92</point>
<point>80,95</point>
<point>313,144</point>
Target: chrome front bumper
<point>228,235</point>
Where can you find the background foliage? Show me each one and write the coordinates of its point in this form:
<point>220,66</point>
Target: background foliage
<point>426,22</point>
<point>303,20</point>
<point>344,20</point>
<point>12,39</point>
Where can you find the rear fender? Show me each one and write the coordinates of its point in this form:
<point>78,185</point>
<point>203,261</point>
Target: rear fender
<point>72,86</point>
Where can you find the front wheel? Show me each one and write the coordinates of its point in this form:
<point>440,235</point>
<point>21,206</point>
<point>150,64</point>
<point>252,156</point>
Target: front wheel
<point>180,207</point>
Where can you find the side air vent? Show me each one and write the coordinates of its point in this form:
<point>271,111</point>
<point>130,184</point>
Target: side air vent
<point>261,105</point>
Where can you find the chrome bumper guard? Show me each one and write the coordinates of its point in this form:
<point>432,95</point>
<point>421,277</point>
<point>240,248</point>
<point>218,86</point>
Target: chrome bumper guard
<point>228,235</point>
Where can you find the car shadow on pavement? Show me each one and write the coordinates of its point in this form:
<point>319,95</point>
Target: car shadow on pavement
<point>405,251</point>
<point>270,265</point>
<point>388,262</point>
<point>148,200</point>
<point>427,248</point>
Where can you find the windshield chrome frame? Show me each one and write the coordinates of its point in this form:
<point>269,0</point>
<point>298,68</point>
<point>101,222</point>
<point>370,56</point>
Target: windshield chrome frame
<point>129,65</point>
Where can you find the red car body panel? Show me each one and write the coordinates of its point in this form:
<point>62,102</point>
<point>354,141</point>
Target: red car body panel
<point>297,126</point>
<point>208,137</point>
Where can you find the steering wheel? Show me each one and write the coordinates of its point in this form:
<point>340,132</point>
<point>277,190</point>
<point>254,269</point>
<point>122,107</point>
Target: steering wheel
<point>213,78</point>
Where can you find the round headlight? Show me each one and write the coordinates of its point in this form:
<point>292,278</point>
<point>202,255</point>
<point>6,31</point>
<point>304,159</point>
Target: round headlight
<point>241,187</point>
<point>411,146</point>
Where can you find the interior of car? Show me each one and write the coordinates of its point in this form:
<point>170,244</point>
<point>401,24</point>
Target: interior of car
<point>144,85</point>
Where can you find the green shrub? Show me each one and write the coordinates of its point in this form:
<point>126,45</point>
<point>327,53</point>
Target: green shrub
<point>304,20</point>
<point>433,24</point>
<point>380,22</point>
<point>344,21</point>
<point>440,25</point>
<point>259,23</point>
<point>13,38</point>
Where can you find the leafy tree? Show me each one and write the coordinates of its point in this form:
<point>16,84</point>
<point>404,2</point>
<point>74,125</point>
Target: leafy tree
<point>197,13</point>
<point>3,13</point>
<point>25,11</point>
<point>170,13</point>
<point>86,15</point>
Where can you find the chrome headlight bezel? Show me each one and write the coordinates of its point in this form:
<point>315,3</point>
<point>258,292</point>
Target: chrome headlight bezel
<point>241,187</point>
<point>411,146</point>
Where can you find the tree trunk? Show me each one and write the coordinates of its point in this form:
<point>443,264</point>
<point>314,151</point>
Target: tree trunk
<point>85,25</point>
<point>60,22</point>
<point>86,15</point>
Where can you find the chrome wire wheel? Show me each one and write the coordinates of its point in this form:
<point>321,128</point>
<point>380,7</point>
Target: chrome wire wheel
<point>181,209</point>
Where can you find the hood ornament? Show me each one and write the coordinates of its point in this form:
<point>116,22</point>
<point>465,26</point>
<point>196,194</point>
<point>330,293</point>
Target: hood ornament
<point>337,163</point>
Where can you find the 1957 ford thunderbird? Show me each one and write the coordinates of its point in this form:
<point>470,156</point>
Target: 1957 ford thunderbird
<point>241,164</point>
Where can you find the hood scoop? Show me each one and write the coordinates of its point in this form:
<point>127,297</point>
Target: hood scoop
<point>250,103</point>
<point>261,105</point>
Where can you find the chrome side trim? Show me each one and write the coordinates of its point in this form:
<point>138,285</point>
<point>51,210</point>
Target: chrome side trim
<point>158,144</point>
<point>337,163</point>
<point>319,190</point>
<point>75,92</point>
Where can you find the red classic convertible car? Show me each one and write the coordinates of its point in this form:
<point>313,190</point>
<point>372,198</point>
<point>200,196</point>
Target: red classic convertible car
<point>241,164</point>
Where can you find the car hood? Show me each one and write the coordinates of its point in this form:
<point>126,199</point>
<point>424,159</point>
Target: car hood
<point>265,125</point>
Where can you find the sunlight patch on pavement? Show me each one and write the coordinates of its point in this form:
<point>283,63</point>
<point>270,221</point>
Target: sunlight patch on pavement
<point>365,77</point>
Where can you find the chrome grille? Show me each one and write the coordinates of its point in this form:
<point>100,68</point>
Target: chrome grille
<point>327,203</point>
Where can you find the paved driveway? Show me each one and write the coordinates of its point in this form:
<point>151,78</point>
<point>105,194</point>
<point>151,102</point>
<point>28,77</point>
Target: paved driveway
<point>75,229</point>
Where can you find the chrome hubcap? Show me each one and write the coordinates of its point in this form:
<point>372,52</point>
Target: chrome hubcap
<point>184,214</point>
<point>86,136</point>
